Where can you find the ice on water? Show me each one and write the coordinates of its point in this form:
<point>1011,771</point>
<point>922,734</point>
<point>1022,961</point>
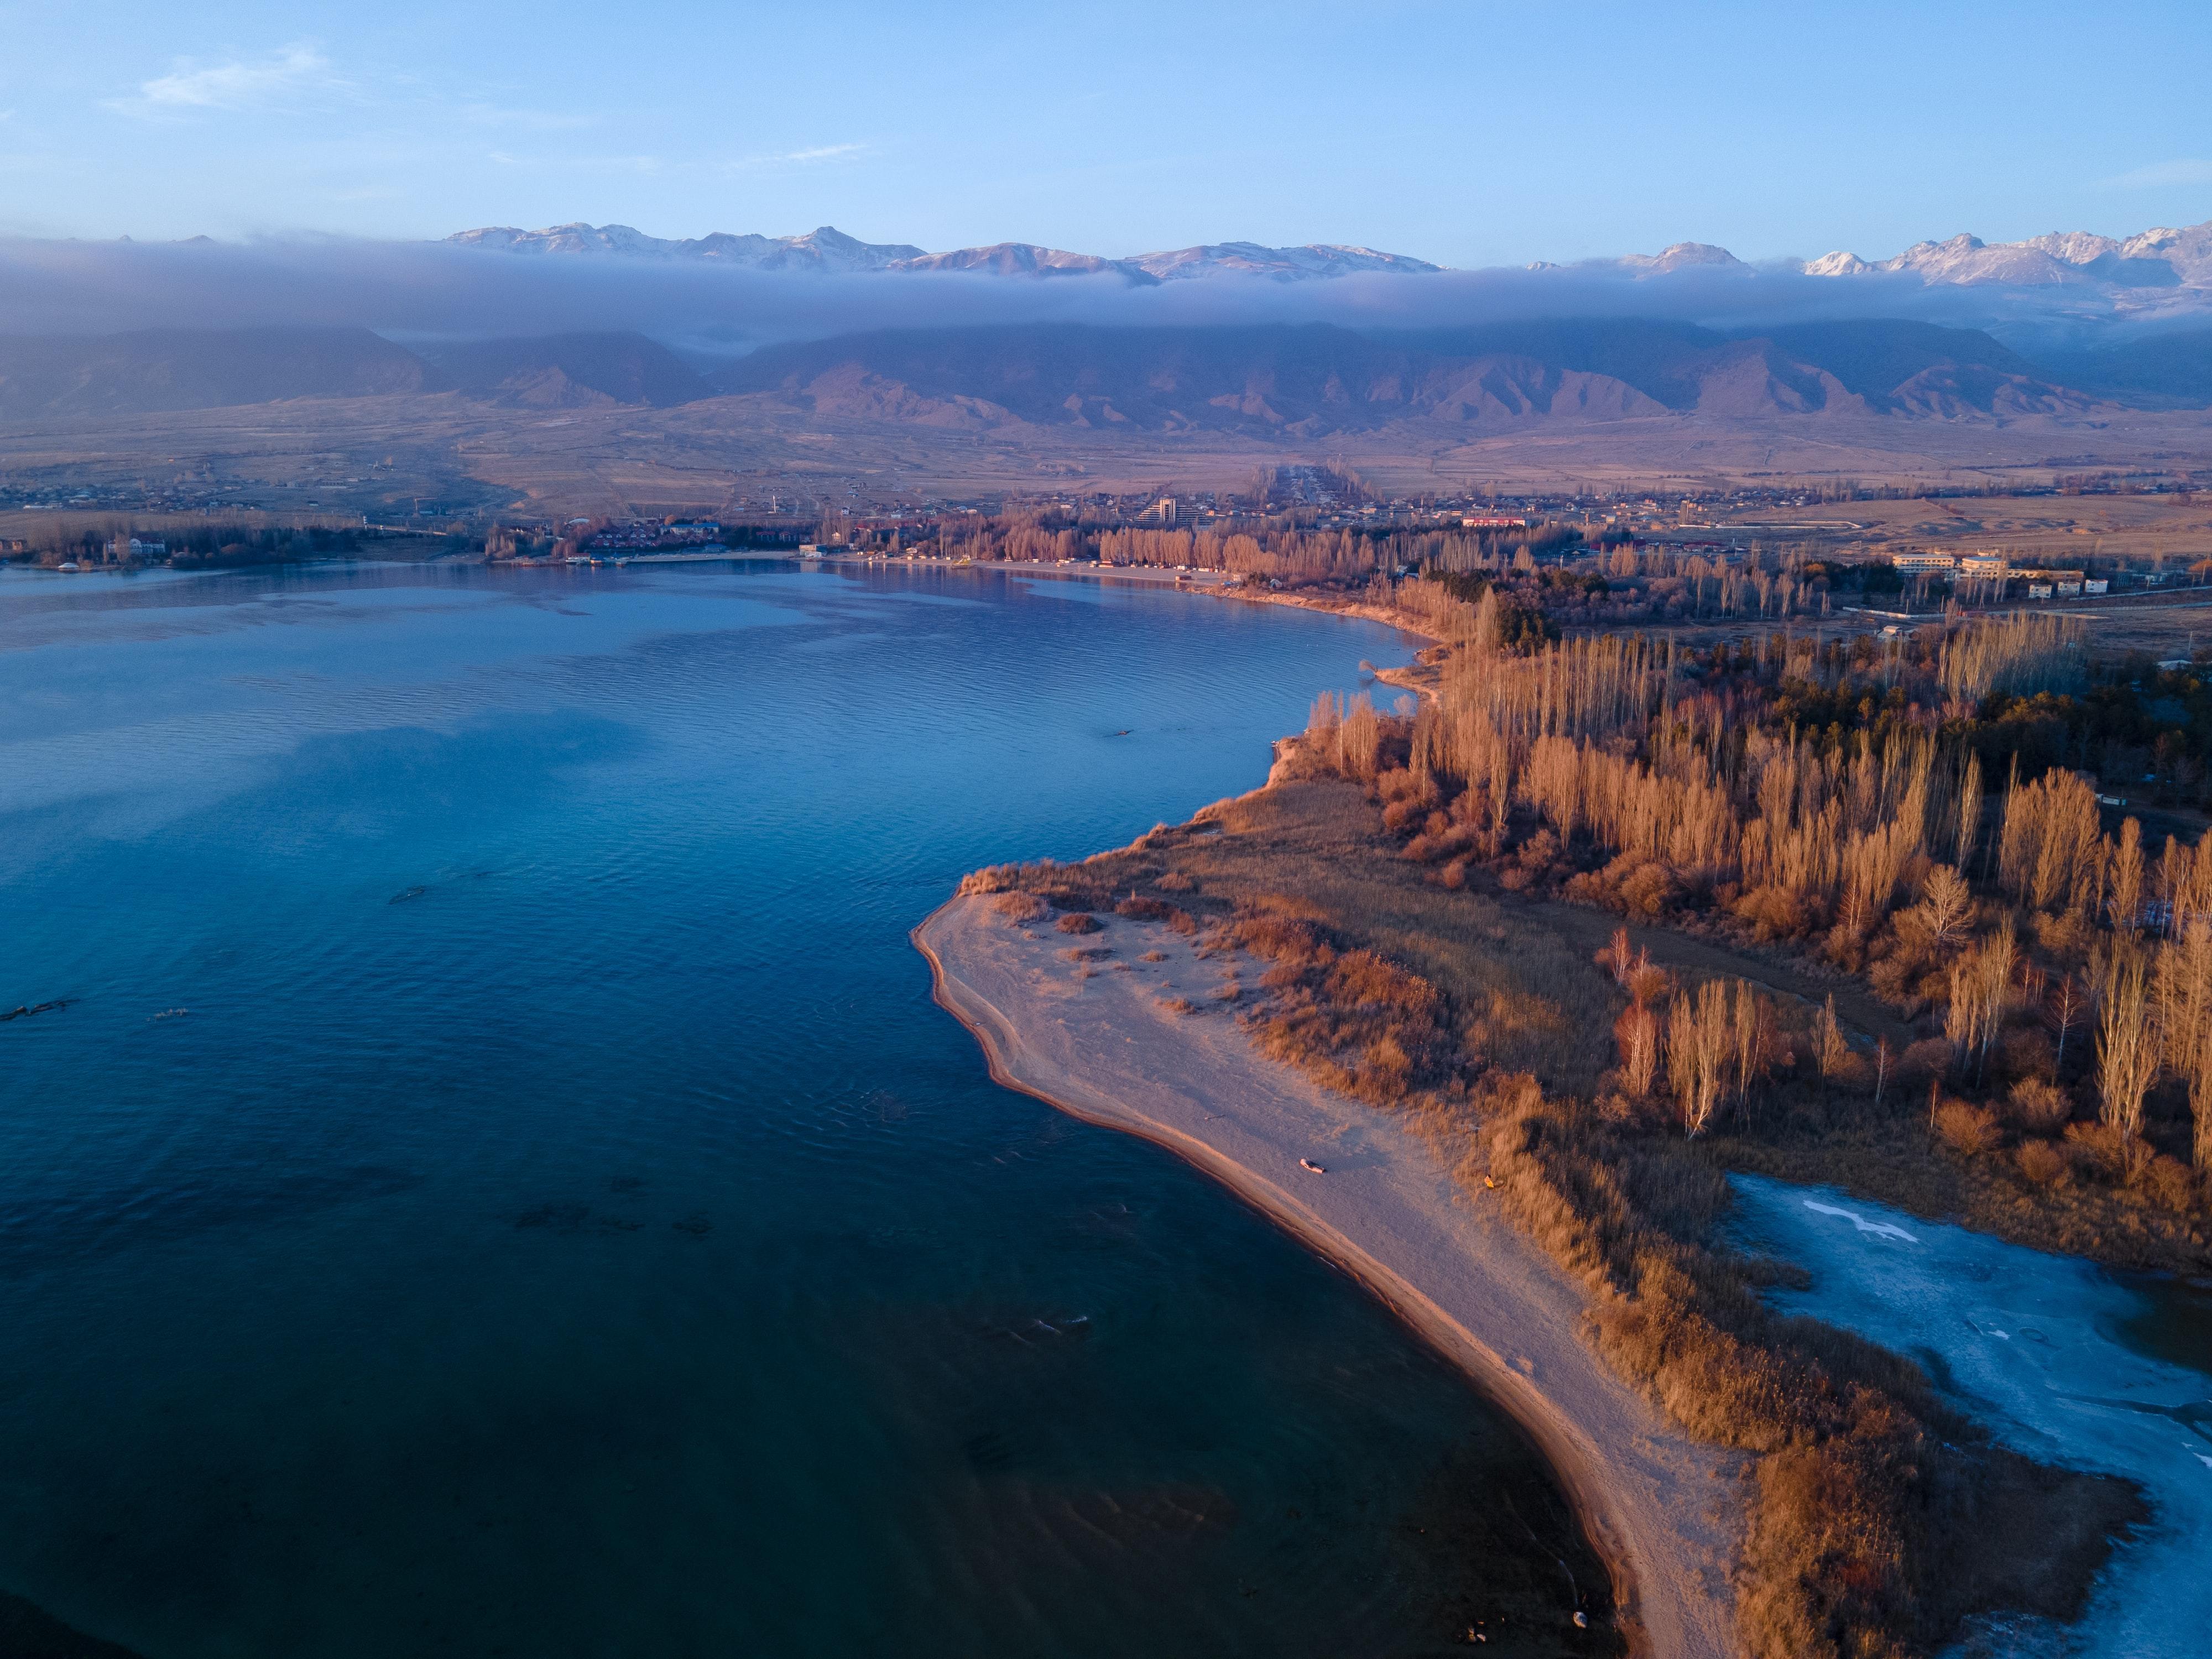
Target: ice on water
<point>2033,1345</point>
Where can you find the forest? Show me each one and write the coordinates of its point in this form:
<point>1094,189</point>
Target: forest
<point>194,543</point>
<point>1910,842</point>
<point>1574,577</point>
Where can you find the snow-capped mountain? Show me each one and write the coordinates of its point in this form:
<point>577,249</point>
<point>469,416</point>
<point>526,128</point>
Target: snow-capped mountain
<point>824,249</point>
<point>2163,258</point>
<point>1284,264</point>
<point>828,249</point>
<point>2155,276</point>
<point>1679,256</point>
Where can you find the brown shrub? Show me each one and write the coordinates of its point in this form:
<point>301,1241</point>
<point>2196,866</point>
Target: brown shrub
<point>1154,955</point>
<point>1398,784</point>
<point>1928,1058</point>
<point>1454,876</point>
<point>1442,839</point>
<point>1362,980</point>
<point>1019,907</point>
<point>1086,953</point>
<point>1146,909</point>
<point>2067,936</point>
<point>1178,1005</point>
<point>2039,1107</point>
<point>1077,922</point>
<point>1894,978</point>
<point>2172,1184</point>
<point>1539,853</point>
<point>1969,1131</point>
<point>1774,913</point>
<point>1356,1020</point>
<point>1285,940</point>
<point>1175,881</point>
<point>2040,1161</point>
<point>2098,1149</point>
<point>2025,1052</point>
<point>1387,1062</point>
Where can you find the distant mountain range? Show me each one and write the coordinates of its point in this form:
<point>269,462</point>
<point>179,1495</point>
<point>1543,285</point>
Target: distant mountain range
<point>155,371</point>
<point>1311,380</point>
<point>1273,380</point>
<point>830,250</point>
<point>2150,259</point>
<point>2153,267</point>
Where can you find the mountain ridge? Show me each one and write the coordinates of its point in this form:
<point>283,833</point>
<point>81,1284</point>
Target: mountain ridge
<point>2162,257</point>
<point>1306,380</point>
<point>1296,379</point>
<point>829,250</point>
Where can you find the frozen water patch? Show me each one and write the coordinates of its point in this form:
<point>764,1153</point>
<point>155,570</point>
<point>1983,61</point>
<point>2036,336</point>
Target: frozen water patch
<point>1879,1229</point>
<point>2032,1344</point>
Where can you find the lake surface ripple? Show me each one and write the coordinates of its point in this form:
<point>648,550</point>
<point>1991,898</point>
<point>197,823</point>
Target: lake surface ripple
<point>498,1184</point>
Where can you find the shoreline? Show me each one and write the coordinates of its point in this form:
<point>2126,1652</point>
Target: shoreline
<point>1215,584</point>
<point>1661,1511</point>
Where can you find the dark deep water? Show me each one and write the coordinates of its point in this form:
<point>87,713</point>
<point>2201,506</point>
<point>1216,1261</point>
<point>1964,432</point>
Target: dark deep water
<point>562,1224</point>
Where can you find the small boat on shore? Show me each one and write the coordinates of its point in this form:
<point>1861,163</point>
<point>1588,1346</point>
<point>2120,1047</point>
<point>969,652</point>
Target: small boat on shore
<point>1310,1167</point>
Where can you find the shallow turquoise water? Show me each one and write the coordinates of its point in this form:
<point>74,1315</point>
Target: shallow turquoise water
<point>558,1222</point>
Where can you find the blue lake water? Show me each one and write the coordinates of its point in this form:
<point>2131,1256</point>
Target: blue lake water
<point>498,1184</point>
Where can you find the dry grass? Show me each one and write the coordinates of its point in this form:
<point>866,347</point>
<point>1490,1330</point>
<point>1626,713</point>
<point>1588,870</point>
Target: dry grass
<point>1020,907</point>
<point>1879,1518</point>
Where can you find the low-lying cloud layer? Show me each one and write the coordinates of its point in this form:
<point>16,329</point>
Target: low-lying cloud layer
<point>433,291</point>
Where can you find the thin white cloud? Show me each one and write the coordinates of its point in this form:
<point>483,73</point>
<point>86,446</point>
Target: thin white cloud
<point>799,157</point>
<point>240,84</point>
<point>2160,174</point>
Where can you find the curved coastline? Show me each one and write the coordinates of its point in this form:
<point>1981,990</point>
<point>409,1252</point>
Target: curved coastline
<point>1661,1511</point>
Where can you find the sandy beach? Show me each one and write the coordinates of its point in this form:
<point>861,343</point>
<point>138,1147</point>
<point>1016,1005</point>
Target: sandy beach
<point>1102,1039</point>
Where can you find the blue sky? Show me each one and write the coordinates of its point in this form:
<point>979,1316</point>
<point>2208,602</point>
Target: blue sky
<point>1468,134</point>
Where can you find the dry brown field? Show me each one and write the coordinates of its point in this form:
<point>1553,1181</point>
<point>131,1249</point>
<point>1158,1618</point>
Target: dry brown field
<point>380,454</point>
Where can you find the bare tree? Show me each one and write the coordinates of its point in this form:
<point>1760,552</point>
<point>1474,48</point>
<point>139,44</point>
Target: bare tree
<point>2182,994</point>
<point>1832,1052</point>
<point>2065,1006</point>
<point>1948,905</point>
<point>2125,879</point>
<point>2127,1042</point>
<point>1699,1039</point>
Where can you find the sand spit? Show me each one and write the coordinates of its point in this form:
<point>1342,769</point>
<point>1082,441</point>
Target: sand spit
<point>1105,1040</point>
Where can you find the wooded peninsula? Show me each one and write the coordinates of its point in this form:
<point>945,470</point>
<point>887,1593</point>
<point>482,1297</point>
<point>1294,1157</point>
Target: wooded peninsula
<point>1924,914</point>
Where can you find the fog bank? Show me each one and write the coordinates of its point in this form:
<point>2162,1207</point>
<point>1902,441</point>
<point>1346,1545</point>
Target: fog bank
<point>433,291</point>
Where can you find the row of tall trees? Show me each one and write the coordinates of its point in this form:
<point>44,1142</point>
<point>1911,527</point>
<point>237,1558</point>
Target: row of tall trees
<point>1270,550</point>
<point>1641,778</point>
